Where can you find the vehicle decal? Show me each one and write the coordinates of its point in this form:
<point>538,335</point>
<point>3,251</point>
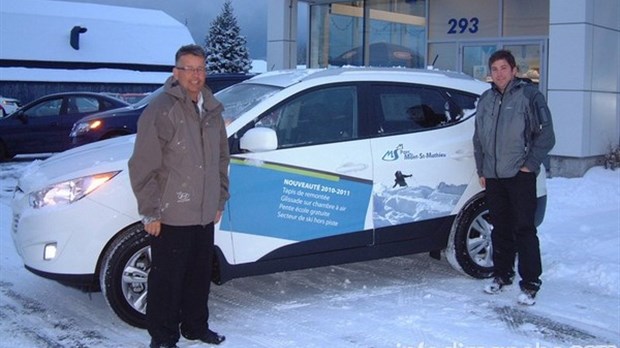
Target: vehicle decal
<point>416,181</point>
<point>401,153</point>
<point>395,205</point>
<point>293,203</point>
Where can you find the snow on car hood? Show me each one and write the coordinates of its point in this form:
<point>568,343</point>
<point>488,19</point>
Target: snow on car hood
<point>98,157</point>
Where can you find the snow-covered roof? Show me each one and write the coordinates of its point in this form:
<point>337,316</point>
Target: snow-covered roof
<point>83,75</point>
<point>40,30</point>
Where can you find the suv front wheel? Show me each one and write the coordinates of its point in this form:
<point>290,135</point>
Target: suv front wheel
<point>124,274</point>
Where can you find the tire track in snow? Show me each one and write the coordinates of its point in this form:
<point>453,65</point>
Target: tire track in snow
<point>528,323</point>
<point>25,317</point>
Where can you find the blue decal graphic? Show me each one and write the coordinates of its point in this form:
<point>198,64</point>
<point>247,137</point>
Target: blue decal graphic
<point>293,203</point>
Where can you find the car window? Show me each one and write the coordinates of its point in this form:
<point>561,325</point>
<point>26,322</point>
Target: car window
<point>320,116</point>
<point>47,108</point>
<point>402,109</point>
<point>82,104</point>
<point>461,104</point>
<point>106,105</point>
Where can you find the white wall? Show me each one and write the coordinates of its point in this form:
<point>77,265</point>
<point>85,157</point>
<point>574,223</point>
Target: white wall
<point>584,76</point>
<point>282,35</point>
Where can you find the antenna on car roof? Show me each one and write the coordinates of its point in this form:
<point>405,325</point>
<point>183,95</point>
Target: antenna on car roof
<point>432,66</point>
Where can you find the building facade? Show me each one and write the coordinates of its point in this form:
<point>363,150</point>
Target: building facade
<point>570,48</point>
<point>80,46</point>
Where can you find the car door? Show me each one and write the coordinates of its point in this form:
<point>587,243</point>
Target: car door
<point>37,132</point>
<point>312,193</point>
<point>422,158</point>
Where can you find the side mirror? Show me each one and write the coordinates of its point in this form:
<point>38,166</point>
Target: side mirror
<point>22,116</point>
<point>259,139</point>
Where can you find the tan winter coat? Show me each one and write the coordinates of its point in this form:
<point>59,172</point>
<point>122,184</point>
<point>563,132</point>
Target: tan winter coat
<point>179,167</point>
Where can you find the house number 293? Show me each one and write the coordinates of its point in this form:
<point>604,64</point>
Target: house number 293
<point>459,26</point>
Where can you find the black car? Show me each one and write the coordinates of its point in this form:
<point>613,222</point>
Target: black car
<point>124,121</point>
<point>42,126</point>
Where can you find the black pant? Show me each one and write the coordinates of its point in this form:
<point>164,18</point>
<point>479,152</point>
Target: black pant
<point>179,281</point>
<point>512,209</point>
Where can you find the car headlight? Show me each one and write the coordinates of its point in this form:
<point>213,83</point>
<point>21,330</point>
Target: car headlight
<point>69,191</point>
<point>84,127</point>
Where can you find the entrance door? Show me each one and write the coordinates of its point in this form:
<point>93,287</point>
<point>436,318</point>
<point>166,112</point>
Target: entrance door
<point>530,58</point>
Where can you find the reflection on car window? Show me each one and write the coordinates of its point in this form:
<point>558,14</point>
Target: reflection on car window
<point>80,105</point>
<point>320,116</point>
<point>403,109</point>
<point>239,98</point>
<point>47,108</point>
<point>462,104</point>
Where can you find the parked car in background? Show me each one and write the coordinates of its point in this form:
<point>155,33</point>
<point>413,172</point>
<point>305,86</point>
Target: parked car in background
<point>43,125</point>
<point>124,121</point>
<point>130,98</point>
<point>327,166</point>
<point>8,105</point>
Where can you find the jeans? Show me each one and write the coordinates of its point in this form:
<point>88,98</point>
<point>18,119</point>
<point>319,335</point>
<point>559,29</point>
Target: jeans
<point>512,209</point>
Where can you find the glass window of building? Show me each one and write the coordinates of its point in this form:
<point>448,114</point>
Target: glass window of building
<point>442,55</point>
<point>368,33</point>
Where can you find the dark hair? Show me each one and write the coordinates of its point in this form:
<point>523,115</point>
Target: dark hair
<point>192,49</point>
<point>503,54</point>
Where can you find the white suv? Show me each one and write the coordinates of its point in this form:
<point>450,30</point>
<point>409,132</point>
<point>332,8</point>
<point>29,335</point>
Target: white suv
<point>328,166</point>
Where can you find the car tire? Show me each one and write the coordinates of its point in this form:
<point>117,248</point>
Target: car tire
<point>4,153</point>
<point>469,248</point>
<point>124,275</point>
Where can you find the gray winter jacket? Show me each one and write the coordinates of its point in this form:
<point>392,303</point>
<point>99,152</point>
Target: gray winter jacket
<point>179,167</point>
<point>513,130</point>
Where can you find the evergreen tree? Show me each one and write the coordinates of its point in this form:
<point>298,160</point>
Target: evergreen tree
<point>225,47</point>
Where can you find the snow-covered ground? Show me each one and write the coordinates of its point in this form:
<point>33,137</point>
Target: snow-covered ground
<point>401,302</point>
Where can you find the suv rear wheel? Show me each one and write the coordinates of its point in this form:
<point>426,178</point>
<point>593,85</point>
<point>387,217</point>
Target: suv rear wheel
<point>469,247</point>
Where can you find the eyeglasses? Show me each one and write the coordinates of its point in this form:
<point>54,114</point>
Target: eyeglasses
<point>189,69</point>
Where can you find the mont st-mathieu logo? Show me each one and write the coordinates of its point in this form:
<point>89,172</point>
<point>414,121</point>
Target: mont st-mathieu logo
<point>401,153</point>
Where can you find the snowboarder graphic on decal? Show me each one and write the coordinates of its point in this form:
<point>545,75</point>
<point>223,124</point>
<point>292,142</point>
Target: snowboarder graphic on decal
<point>400,179</point>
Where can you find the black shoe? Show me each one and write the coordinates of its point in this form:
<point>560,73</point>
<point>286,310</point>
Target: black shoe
<point>155,344</point>
<point>208,336</point>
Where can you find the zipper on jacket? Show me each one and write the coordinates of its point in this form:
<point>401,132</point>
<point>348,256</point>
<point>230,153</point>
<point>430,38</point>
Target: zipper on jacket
<point>499,111</point>
<point>204,166</point>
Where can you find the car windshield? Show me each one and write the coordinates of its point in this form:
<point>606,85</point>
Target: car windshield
<point>239,98</point>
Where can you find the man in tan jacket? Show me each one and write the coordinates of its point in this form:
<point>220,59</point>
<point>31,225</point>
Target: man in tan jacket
<point>179,175</point>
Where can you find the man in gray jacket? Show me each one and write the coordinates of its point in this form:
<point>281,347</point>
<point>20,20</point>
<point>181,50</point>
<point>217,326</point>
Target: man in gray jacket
<point>513,135</point>
<point>179,175</point>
